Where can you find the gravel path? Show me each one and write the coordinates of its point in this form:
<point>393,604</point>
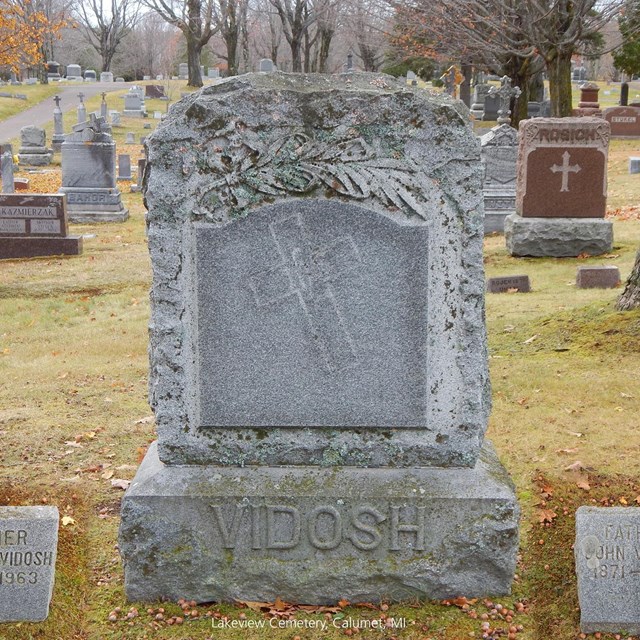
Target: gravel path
<point>42,112</point>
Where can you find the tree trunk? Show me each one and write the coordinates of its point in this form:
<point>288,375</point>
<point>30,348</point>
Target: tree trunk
<point>193,61</point>
<point>231,40</point>
<point>559,72</point>
<point>296,55</point>
<point>630,298</point>
<point>325,35</point>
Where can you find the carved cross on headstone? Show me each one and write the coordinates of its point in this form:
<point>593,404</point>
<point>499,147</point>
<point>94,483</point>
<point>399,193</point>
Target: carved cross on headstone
<point>81,96</point>
<point>104,96</point>
<point>57,101</point>
<point>565,169</point>
<point>306,273</point>
<point>505,93</point>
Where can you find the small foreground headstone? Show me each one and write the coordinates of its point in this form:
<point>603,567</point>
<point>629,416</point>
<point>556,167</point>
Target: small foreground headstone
<point>607,555</point>
<point>28,545</point>
<point>20,184</point>
<point>506,284</point>
<point>634,165</point>
<point>606,277</point>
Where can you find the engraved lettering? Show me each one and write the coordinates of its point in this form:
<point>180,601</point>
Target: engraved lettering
<point>292,530</point>
<point>330,513</point>
<point>418,529</point>
<point>11,537</point>
<point>373,535</point>
<point>229,534</point>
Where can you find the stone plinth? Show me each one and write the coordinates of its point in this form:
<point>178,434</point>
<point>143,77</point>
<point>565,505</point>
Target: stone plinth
<point>557,237</point>
<point>318,534</point>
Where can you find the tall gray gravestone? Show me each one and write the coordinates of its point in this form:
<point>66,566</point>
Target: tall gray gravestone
<point>318,359</point>
<point>89,174</point>
<point>499,156</point>
<point>6,169</point>
<point>33,149</point>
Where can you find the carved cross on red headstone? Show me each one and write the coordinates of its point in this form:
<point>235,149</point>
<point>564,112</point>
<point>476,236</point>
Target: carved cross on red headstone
<point>565,169</point>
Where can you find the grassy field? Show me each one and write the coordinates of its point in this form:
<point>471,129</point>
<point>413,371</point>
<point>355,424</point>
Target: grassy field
<point>75,423</point>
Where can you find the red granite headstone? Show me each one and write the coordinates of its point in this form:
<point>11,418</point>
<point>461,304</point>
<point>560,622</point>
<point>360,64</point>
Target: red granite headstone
<point>606,277</point>
<point>35,225</point>
<point>562,168</point>
<point>624,121</point>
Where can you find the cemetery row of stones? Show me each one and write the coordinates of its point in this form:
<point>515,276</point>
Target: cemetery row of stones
<point>318,356</point>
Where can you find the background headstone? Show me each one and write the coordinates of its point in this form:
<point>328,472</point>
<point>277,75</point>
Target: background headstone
<point>154,91</point>
<point>490,108</point>
<point>504,284</point>
<point>115,118</point>
<point>29,541</point>
<point>35,225</point>
<point>33,149</point>
<point>607,556</point>
<point>606,277</point>
<point>322,321</point>
<point>624,121</point>
<point>624,94</point>
<point>124,166</point>
<point>634,165</point>
<point>135,188</point>
<point>266,65</point>
<point>58,129</point>
<point>90,75</point>
<point>89,174</point>
<point>6,166</point>
<point>183,71</point>
<point>499,154</point>
<point>561,189</point>
<point>74,72</point>
<point>480,92</point>
<point>133,104</point>
<point>130,138</point>
<point>106,76</point>
<point>81,109</point>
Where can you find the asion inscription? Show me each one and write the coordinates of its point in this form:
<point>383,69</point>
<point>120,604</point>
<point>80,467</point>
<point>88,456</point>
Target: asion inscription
<point>562,169</point>
<point>607,555</point>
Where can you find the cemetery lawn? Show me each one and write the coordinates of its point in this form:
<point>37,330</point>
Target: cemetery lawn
<point>35,93</point>
<point>75,423</point>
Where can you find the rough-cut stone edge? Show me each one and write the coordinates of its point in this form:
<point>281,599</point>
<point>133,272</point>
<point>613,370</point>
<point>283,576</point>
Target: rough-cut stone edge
<point>168,559</point>
<point>557,237</point>
<point>171,210</point>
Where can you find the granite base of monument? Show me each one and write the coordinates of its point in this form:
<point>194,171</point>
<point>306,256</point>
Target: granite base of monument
<point>557,237</point>
<point>316,535</point>
<point>87,204</point>
<point>40,247</point>
<point>494,221</point>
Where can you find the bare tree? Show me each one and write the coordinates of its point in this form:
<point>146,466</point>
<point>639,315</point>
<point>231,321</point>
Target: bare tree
<point>517,32</point>
<point>195,19</point>
<point>296,16</point>
<point>327,14</point>
<point>368,24</point>
<point>105,23</point>
<point>630,298</point>
<point>230,19</point>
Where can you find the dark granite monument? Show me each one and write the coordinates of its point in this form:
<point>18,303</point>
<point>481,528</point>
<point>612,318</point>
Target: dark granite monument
<point>35,225</point>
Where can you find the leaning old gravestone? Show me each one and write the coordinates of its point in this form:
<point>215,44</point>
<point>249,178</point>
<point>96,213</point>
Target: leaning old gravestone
<point>28,546</point>
<point>318,352</point>
<point>561,189</point>
<point>89,174</point>
<point>499,152</point>
<point>607,556</point>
